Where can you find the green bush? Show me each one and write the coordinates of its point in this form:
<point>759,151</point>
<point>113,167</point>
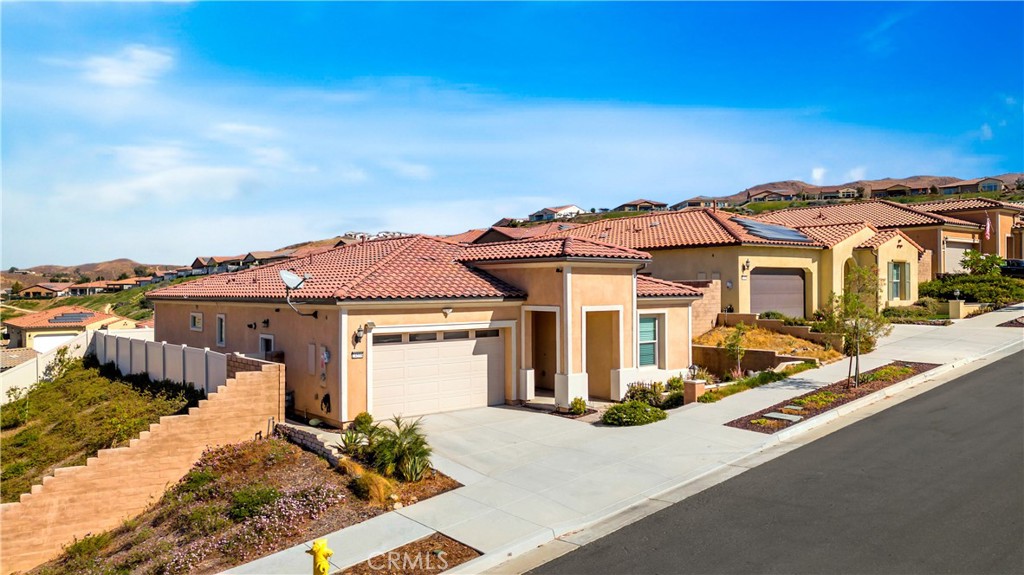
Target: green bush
<point>644,394</point>
<point>248,501</point>
<point>771,315</point>
<point>632,413</point>
<point>887,373</point>
<point>578,406</point>
<point>674,399</point>
<point>88,547</point>
<point>195,481</point>
<point>363,422</point>
<point>998,290</point>
<point>674,383</point>
<point>203,520</point>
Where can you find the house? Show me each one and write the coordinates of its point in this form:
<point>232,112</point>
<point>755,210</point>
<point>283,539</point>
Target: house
<point>252,259</point>
<point>764,266</point>
<point>838,193</point>
<point>998,217</point>
<point>973,186</point>
<point>48,329</point>
<point>887,190</point>
<point>45,290</point>
<point>125,284</point>
<point>89,288</point>
<point>946,237</point>
<point>702,202</point>
<point>641,205</point>
<point>772,196</point>
<point>216,264</point>
<point>556,213</point>
<point>504,234</point>
<point>417,324</point>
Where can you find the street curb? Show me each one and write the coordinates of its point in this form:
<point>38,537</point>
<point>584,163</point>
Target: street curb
<point>511,550</point>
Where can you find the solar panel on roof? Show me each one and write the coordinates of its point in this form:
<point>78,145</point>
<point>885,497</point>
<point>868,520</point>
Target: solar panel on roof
<point>771,231</point>
<point>71,317</point>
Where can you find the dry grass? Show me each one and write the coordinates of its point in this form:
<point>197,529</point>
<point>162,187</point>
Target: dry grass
<point>760,338</point>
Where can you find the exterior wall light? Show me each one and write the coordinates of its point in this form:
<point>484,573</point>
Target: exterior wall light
<point>446,311</point>
<point>360,332</point>
<point>746,265</point>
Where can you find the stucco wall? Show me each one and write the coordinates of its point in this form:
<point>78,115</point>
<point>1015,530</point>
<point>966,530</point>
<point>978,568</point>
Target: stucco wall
<point>120,483</point>
<point>706,309</point>
<point>717,360</point>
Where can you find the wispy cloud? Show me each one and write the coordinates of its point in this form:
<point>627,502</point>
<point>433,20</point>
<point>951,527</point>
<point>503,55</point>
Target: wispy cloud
<point>879,39</point>
<point>985,132</point>
<point>818,175</point>
<point>857,173</point>
<point>133,65</point>
<point>409,170</point>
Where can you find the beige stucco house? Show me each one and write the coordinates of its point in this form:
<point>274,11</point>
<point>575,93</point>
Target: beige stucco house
<point>415,325</point>
<point>48,329</point>
<point>998,217</point>
<point>765,267</point>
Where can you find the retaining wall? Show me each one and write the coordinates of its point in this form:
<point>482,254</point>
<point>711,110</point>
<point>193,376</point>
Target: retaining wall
<point>833,340</point>
<point>717,360</point>
<point>120,483</point>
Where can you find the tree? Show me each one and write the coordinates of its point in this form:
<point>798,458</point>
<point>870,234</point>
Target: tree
<point>979,264</point>
<point>933,189</point>
<point>17,287</point>
<point>734,347</point>
<point>857,311</point>
<point>1018,184</point>
<point>141,271</point>
<point>12,270</point>
<point>123,276</point>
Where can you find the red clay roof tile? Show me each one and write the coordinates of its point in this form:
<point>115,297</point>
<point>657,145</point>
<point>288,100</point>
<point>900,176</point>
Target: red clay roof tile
<point>42,319</point>
<point>647,286</point>
<point>881,213</point>
<point>549,248</point>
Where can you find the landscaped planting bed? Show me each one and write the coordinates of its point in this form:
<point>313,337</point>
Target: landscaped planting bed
<point>760,338</point>
<point>831,396</point>
<point>1019,322</point>
<point>432,554</point>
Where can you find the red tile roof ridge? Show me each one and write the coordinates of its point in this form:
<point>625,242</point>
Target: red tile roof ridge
<point>860,223</point>
<point>885,235</point>
<point>947,219</point>
<point>638,253</point>
<point>371,269</point>
<point>690,291</point>
<point>714,215</point>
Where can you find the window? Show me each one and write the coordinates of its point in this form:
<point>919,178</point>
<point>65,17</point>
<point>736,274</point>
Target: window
<point>195,321</point>
<point>990,187</point>
<point>481,333</point>
<point>648,341</point>
<point>386,338</point>
<point>266,343</point>
<point>222,330</point>
<point>456,335</point>
<point>422,337</point>
<point>702,275</point>
<point>898,280</point>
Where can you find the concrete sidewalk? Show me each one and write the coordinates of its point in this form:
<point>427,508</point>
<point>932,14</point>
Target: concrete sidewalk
<point>530,477</point>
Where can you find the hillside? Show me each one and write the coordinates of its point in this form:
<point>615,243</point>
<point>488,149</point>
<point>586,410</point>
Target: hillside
<point>803,187</point>
<point>130,303</point>
<point>107,270</point>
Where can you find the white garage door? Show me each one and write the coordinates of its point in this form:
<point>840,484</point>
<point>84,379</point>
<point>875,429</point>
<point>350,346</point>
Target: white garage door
<point>44,343</point>
<point>420,373</point>
<point>955,253</point>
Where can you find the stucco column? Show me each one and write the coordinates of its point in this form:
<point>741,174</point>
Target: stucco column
<point>569,386</point>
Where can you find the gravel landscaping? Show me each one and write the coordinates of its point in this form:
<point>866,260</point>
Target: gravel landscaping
<point>830,396</point>
<point>433,554</point>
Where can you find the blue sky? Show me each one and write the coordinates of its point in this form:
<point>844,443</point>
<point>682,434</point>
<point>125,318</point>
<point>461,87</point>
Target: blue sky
<point>164,131</point>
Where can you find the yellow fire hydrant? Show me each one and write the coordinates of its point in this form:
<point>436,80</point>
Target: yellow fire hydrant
<point>321,553</point>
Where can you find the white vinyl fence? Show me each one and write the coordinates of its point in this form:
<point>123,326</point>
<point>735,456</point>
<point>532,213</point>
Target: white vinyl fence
<point>27,374</point>
<point>202,368</point>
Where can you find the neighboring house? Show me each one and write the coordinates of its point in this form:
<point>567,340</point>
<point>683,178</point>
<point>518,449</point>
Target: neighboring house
<point>998,216</point>
<point>838,193</point>
<point>415,325</point>
<point>15,356</point>
<point>467,237</point>
<point>45,290</point>
<point>504,234</point>
<point>556,213</point>
<point>973,186</point>
<point>641,205</point>
<point>48,329</point>
<point>253,259</point>
<point>772,196</point>
<point>216,264</point>
<point>765,267</point>
<point>702,202</point>
<point>890,190</point>
<point>946,237</point>
<point>90,288</point>
<point>125,284</point>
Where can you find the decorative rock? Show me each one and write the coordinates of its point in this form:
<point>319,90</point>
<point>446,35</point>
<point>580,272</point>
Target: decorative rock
<point>783,416</point>
<point>794,407</point>
<point>398,505</point>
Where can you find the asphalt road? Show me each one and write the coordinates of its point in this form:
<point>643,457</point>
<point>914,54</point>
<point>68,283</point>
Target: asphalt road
<point>932,485</point>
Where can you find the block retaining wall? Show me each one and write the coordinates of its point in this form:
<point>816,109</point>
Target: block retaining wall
<point>120,483</point>
<point>309,441</point>
<point>717,360</point>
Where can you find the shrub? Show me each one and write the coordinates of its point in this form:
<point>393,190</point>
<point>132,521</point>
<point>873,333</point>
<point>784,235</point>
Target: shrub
<point>703,374</point>
<point>578,406</point>
<point>674,399</point>
<point>816,400</point>
<point>632,413</point>
<point>734,345</point>
<point>771,315</point>
<point>87,547</point>
<point>203,520</point>
<point>643,393</point>
<point>351,468</point>
<point>363,422</point>
<point>248,501</point>
<point>887,373</point>
<point>394,447</point>
<point>195,481</point>
<point>675,383</point>
<point>998,290</point>
<point>980,264</point>
<point>372,487</point>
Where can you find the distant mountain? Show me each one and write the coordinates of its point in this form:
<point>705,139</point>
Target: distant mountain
<point>108,270</point>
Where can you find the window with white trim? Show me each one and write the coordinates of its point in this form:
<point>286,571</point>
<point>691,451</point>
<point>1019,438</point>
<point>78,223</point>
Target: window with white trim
<point>898,280</point>
<point>648,340</point>
<point>195,321</point>
<point>222,330</point>
<point>266,343</point>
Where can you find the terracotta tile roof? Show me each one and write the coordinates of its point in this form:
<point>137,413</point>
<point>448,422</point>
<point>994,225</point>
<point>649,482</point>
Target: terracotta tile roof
<point>549,248</point>
<point>14,356</point>
<point>519,233</point>
<point>42,319</point>
<point>945,206</point>
<point>970,182</point>
<point>880,213</point>
<point>643,201</point>
<point>466,237</point>
<point>647,286</point>
<point>98,284</point>
<point>409,267</point>
<point>151,322</point>
<point>263,255</point>
<point>693,228</point>
<point>886,235</point>
<point>52,286</point>
<point>832,234</point>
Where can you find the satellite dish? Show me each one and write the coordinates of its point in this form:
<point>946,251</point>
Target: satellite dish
<point>291,280</point>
